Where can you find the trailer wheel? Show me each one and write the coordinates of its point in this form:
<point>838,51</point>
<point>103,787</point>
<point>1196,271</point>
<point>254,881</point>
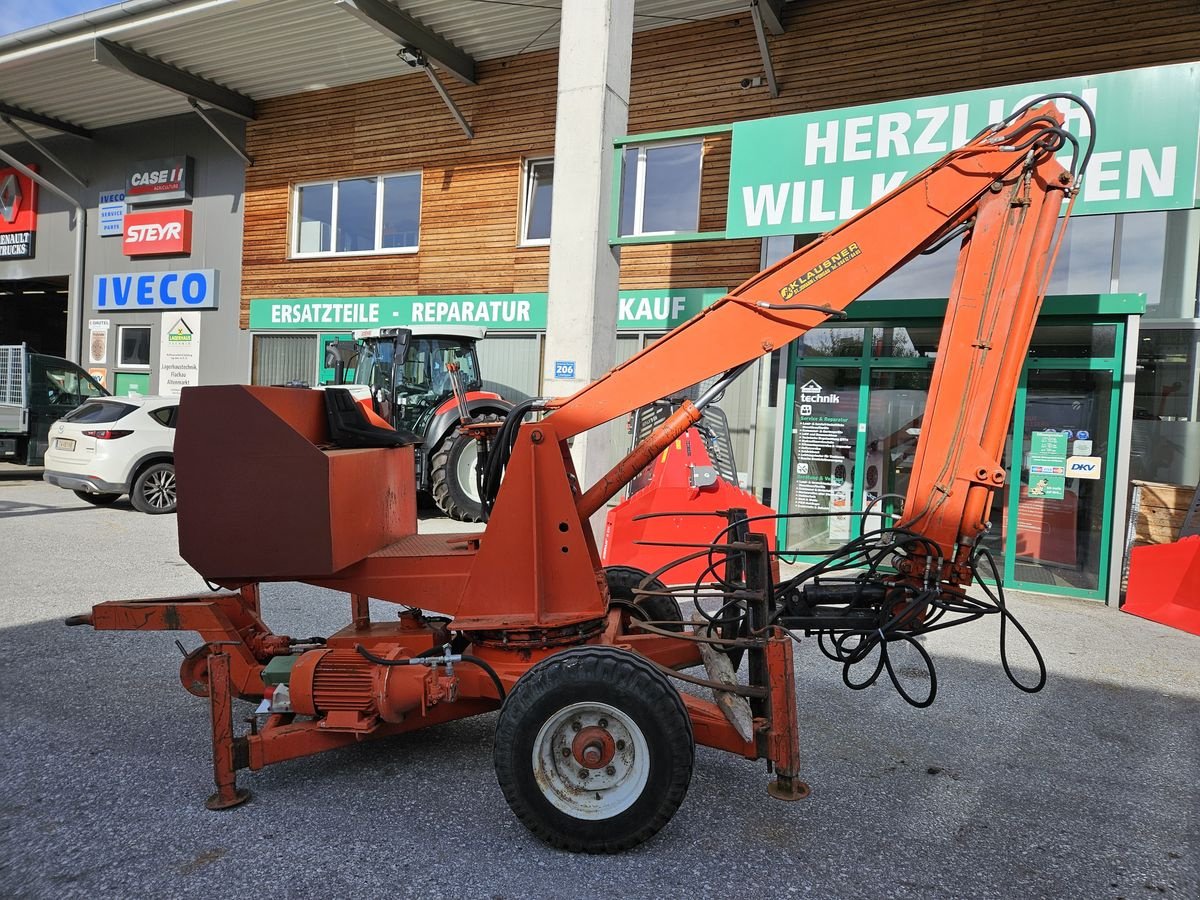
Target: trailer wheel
<point>594,750</point>
<point>452,475</point>
<point>623,580</point>
<point>96,499</point>
<point>153,491</point>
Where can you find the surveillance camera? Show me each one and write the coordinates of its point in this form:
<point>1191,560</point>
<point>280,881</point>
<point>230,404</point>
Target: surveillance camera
<point>747,83</point>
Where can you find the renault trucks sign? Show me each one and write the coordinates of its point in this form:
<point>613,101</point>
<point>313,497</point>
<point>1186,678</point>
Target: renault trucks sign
<point>159,181</point>
<point>805,173</point>
<point>18,214</point>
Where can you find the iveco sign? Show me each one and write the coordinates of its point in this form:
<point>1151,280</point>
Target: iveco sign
<point>159,180</point>
<point>194,289</point>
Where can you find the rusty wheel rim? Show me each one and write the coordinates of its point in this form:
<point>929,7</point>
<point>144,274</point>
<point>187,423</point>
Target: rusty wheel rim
<point>591,761</point>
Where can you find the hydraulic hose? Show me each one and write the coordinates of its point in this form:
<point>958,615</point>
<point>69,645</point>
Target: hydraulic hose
<point>432,660</point>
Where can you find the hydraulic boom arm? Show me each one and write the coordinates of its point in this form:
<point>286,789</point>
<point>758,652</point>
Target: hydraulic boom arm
<point>1003,191</point>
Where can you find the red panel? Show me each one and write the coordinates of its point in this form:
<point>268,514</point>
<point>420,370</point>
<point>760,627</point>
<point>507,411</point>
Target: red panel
<point>262,499</point>
<point>160,233</point>
<point>18,214</point>
<point>1164,584</point>
<point>667,488</point>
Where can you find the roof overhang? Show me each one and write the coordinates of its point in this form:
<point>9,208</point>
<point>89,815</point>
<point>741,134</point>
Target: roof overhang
<point>258,49</point>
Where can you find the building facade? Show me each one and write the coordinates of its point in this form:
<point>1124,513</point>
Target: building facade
<point>372,201</point>
<point>160,262</point>
<point>467,243</point>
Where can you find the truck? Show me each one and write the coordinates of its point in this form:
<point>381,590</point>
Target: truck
<point>598,715</point>
<point>35,391</point>
<point>407,375</point>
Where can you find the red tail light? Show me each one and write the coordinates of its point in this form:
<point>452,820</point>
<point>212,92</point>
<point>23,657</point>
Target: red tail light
<point>107,434</point>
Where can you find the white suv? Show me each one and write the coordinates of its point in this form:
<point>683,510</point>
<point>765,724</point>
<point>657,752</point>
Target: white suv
<point>111,446</point>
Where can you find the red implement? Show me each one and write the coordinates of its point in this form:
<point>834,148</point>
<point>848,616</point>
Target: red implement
<point>640,531</point>
<point>1164,584</point>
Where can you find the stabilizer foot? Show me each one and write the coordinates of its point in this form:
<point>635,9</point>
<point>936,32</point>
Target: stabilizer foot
<point>788,788</point>
<point>236,797</point>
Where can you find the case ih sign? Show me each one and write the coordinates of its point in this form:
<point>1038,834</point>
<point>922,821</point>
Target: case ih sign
<point>159,180</point>
<point>18,214</point>
<point>158,233</point>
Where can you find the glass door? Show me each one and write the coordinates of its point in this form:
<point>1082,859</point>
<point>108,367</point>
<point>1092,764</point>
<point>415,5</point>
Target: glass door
<point>1061,474</point>
<point>823,441</point>
<point>824,460</point>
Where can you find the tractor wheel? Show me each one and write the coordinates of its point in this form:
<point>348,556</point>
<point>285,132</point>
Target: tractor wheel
<point>594,750</point>
<point>623,580</point>
<point>452,478</point>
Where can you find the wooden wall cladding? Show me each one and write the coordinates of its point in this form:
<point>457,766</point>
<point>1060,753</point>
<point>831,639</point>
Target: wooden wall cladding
<point>832,54</point>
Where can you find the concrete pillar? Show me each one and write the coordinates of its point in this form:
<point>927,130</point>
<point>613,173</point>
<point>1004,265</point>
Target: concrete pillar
<point>593,110</point>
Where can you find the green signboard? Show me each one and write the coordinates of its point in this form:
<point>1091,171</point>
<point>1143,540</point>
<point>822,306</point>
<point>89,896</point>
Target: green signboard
<point>1048,464</point>
<point>638,310</point>
<point>803,174</point>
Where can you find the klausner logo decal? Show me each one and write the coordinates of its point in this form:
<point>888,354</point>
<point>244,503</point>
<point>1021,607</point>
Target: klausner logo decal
<point>820,270</point>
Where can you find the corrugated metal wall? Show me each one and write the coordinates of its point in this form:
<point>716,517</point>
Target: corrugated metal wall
<point>280,358</point>
<point>511,365</point>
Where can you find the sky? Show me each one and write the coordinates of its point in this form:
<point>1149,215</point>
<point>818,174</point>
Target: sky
<point>17,15</point>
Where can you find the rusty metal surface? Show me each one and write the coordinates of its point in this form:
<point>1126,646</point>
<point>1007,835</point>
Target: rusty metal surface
<point>220,698</point>
<point>421,545</point>
<point>262,498</point>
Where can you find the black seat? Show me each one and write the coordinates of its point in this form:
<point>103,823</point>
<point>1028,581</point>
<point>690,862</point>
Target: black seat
<point>349,426</point>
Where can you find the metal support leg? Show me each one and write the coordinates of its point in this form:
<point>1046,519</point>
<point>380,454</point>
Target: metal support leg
<point>360,610</point>
<point>220,700</point>
<point>785,725</point>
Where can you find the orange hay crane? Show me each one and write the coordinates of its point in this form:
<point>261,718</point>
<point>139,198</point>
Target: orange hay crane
<point>594,742</point>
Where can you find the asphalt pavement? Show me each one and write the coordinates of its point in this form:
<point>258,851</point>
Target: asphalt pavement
<point>1089,789</point>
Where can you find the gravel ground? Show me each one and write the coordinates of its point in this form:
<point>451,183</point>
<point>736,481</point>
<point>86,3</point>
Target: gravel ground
<point>1089,789</point>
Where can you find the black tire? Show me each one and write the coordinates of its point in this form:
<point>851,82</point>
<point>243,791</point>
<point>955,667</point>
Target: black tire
<point>623,580</point>
<point>650,742</point>
<point>452,479</point>
<point>96,499</point>
<point>153,491</point>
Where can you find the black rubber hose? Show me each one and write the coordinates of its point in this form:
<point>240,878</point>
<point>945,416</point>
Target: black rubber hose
<point>476,661</point>
<point>465,657</point>
<point>379,660</point>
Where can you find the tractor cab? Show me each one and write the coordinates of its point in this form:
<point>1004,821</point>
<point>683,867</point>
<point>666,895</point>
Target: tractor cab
<point>407,370</point>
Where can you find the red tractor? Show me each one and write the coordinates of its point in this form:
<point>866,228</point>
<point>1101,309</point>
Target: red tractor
<point>408,375</point>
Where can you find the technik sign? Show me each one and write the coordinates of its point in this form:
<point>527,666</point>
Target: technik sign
<point>637,310</point>
<point>805,173</point>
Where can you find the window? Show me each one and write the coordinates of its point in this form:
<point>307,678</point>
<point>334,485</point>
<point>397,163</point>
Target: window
<point>660,189</point>
<point>1166,407</point>
<point>535,202</point>
<point>64,387</point>
<point>133,346</point>
<point>99,412</point>
<point>376,214</point>
<point>165,415</point>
